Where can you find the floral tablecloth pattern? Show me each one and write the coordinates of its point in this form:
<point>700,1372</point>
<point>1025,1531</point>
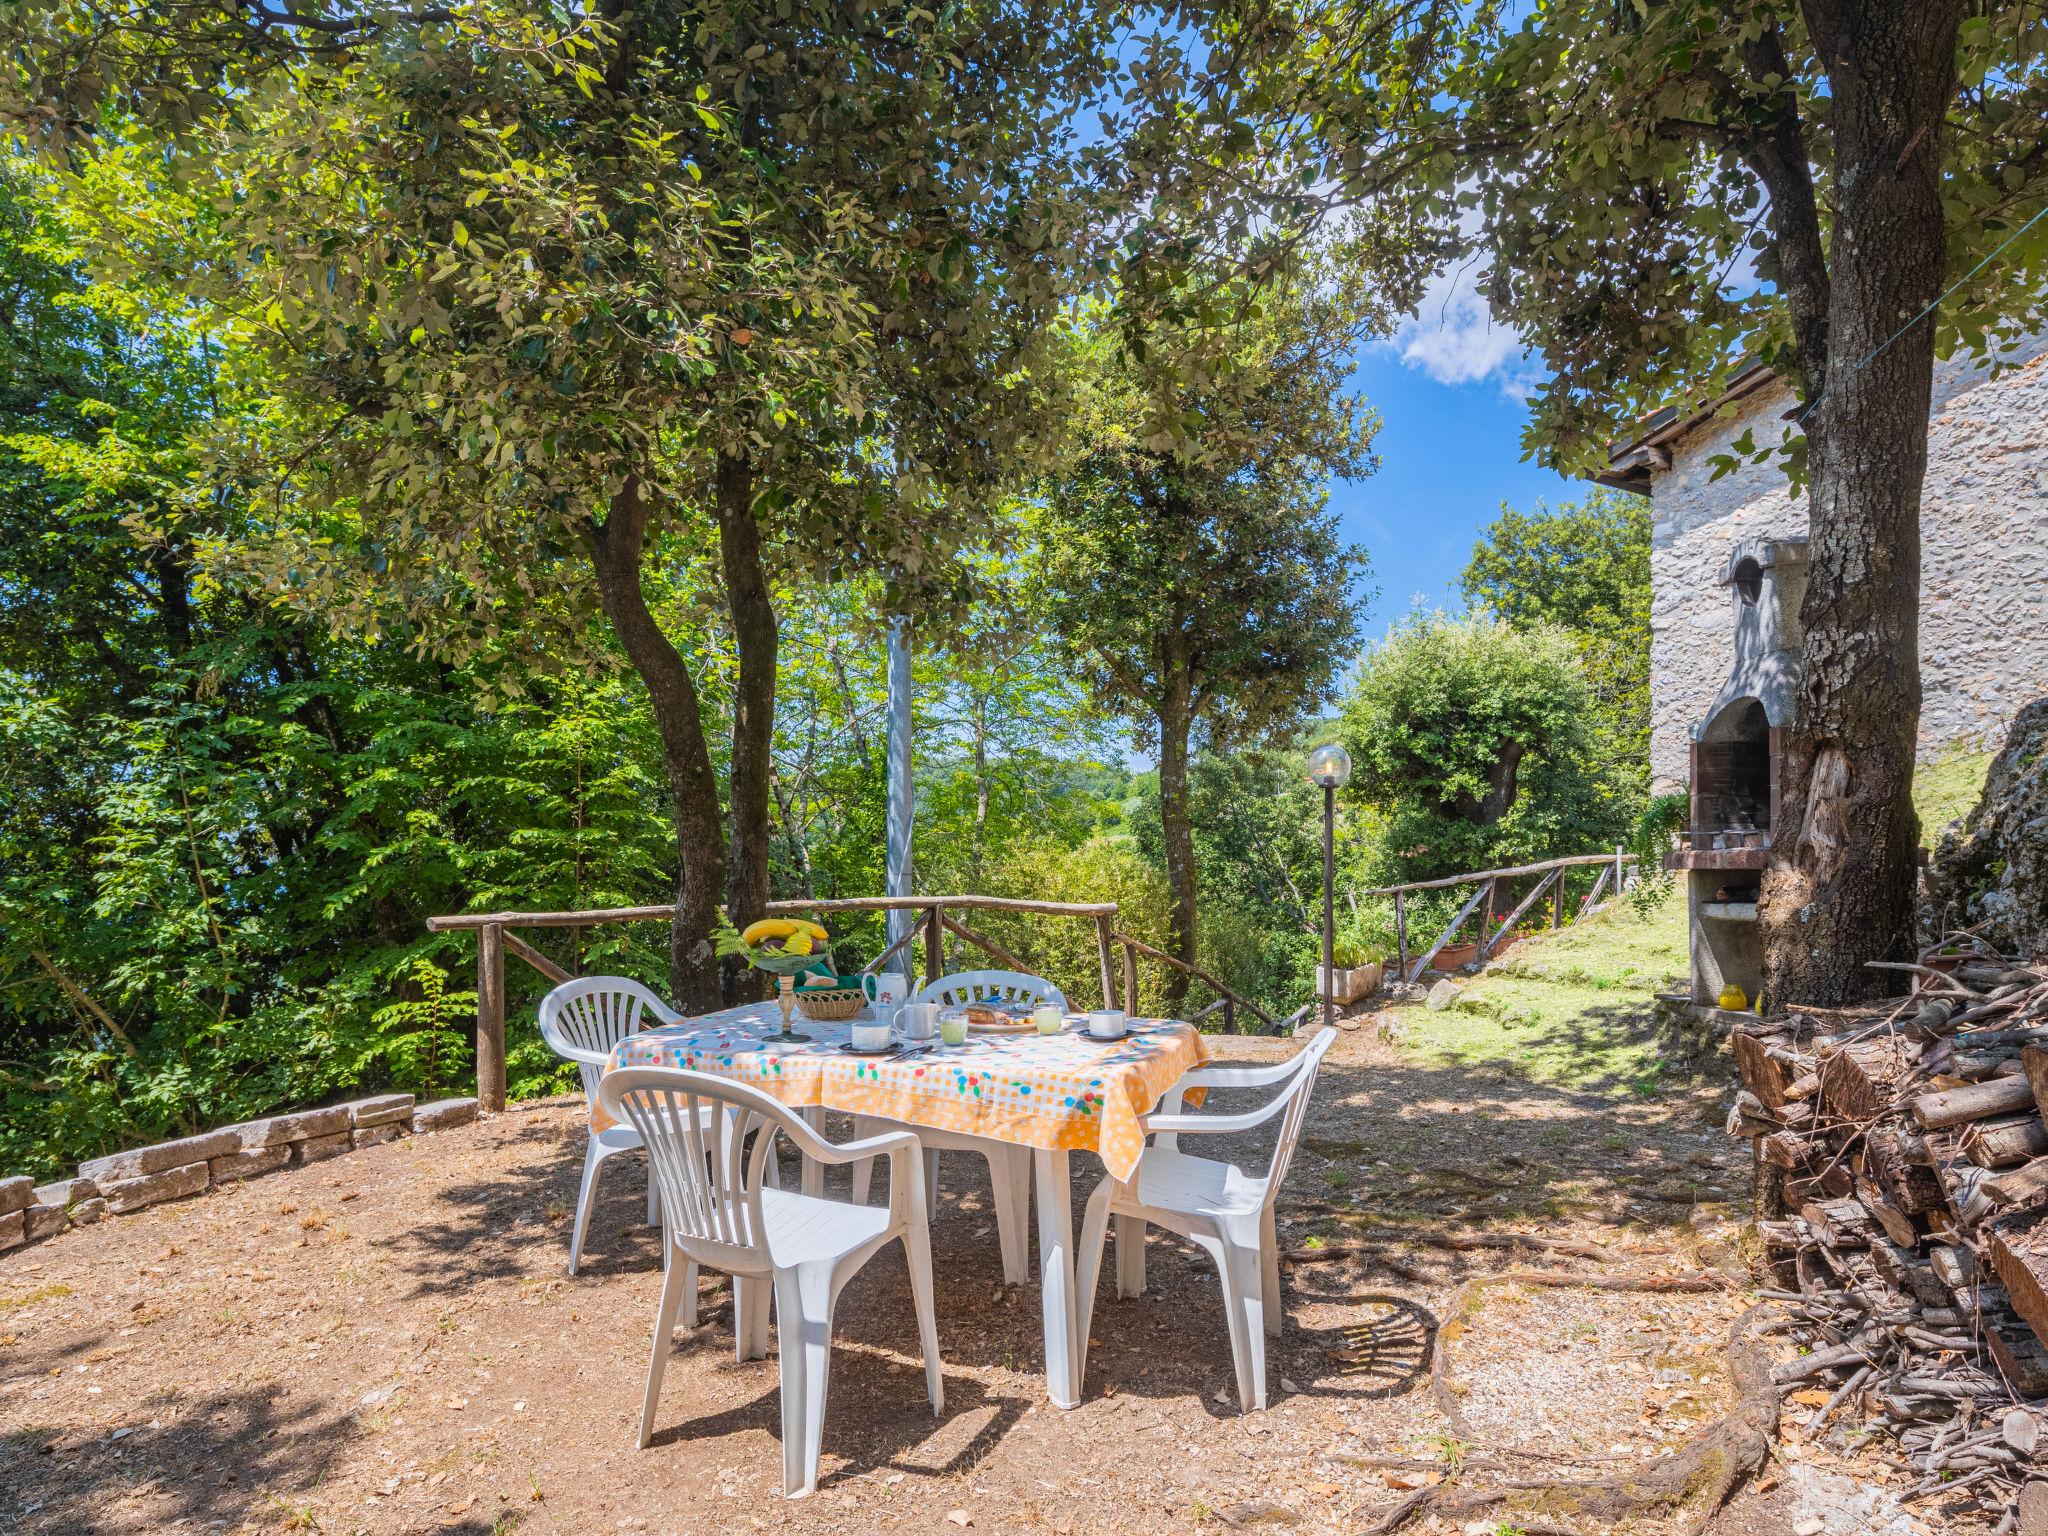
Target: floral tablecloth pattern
<point>1053,1092</point>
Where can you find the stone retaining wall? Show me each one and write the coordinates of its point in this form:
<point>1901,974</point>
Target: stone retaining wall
<point>171,1170</point>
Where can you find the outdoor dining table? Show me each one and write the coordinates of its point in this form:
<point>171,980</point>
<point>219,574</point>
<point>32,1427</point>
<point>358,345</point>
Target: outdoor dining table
<point>1056,1094</point>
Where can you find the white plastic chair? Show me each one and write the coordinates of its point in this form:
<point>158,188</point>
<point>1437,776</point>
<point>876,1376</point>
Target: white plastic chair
<point>722,1211</point>
<point>1009,1167</point>
<point>582,1020</point>
<point>1215,1205</point>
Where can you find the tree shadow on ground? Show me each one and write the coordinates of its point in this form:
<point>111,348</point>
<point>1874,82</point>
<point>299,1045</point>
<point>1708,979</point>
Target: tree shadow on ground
<point>219,1459</point>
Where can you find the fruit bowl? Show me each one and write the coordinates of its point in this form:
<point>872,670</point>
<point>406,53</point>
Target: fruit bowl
<point>784,947</point>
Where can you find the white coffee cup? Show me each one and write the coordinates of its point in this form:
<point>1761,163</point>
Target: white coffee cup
<point>918,1021</point>
<point>1106,1023</point>
<point>886,993</point>
<point>870,1036</point>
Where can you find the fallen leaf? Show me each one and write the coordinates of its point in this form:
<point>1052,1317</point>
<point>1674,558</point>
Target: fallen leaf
<point>1813,1397</point>
<point>463,1507</point>
<point>960,1517</point>
<point>1398,1478</point>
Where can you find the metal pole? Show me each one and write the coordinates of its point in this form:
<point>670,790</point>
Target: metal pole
<point>902,807</point>
<point>1329,915</point>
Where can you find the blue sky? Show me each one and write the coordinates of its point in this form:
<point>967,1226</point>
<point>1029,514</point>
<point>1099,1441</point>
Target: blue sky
<point>1449,389</point>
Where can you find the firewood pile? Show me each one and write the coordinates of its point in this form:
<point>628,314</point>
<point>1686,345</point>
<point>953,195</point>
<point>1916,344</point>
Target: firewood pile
<point>1902,1178</point>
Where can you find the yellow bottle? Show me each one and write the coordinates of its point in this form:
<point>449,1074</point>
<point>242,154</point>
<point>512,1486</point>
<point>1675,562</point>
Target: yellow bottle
<point>1734,999</point>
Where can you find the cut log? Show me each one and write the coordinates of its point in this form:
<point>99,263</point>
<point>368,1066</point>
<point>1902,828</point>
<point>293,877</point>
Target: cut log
<point>2020,1186</point>
<point>1898,1226</point>
<point>1856,1080</point>
<point>1909,1275</point>
<point>2003,1142</point>
<point>1899,1159</point>
<point>1842,1223</point>
<point>2021,1358</point>
<point>2019,1255</point>
<point>1762,1073</point>
<point>1786,1149</point>
<point>2034,1066</point>
<point>1954,1266</point>
<point>1833,1182</point>
<point>1975,1101</point>
<point>1976,1066</point>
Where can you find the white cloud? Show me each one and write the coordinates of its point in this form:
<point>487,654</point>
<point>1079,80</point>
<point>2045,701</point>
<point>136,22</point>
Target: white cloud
<point>1453,337</point>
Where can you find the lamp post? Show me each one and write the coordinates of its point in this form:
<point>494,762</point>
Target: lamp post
<point>1329,769</point>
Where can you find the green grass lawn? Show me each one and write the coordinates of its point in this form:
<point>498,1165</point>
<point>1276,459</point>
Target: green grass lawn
<point>1577,1008</point>
<point>1573,1008</point>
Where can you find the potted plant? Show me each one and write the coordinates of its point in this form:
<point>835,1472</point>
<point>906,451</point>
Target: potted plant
<point>1355,973</point>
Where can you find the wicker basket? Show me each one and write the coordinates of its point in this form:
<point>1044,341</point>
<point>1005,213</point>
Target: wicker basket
<point>830,1005</point>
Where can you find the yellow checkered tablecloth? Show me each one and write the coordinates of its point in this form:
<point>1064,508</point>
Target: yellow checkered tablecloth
<point>1063,1091</point>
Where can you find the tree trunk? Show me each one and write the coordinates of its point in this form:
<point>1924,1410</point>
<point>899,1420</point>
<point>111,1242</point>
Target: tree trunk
<point>980,726</point>
<point>1175,719</point>
<point>616,547</point>
<point>1840,887</point>
<point>753,716</point>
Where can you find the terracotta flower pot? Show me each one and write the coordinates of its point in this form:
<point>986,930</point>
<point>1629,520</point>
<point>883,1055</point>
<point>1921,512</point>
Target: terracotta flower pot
<point>1454,957</point>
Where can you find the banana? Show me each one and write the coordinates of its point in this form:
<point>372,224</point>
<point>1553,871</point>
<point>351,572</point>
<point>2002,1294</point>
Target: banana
<point>788,929</point>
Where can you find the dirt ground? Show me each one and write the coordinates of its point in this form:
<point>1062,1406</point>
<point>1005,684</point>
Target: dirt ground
<point>387,1343</point>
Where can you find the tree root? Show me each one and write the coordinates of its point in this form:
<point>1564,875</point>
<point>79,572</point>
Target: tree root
<point>1462,1242</point>
<point>1703,1473</point>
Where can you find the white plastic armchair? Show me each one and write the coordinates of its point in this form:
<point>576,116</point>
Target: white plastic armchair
<point>964,987</point>
<point>582,1020</point>
<point>1009,1167</point>
<point>722,1211</point>
<point>1223,1210</point>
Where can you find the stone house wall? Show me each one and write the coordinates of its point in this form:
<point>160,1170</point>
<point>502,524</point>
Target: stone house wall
<point>1984,565</point>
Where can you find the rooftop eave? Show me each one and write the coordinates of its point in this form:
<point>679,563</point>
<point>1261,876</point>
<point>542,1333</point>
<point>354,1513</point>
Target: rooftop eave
<point>1633,465</point>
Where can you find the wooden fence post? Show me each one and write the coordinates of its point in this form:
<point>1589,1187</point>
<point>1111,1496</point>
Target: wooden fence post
<point>1229,1014</point>
<point>1617,869</point>
<point>1102,956</point>
<point>1485,912</point>
<point>490,1016</point>
<point>1400,933</point>
<point>1557,900</point>
<point>1130,979</point>
<point>934,945</point>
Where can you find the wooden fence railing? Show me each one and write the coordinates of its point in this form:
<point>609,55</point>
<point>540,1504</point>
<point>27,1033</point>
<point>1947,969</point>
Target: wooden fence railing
<point>1614,868</point>
<point>496,938</point>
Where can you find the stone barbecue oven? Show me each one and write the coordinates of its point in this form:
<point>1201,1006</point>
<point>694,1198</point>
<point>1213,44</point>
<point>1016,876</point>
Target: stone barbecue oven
<point>1736,749</point>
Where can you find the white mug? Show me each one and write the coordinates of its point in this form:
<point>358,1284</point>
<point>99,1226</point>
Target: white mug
<point>918,1021</point>
<point>1106,1023</point>
<point>886,992</point>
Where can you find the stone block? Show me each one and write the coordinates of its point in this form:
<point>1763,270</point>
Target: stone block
<point>380,1109</point>
<point>282,1130</point>
<point>138,1162</point>
<point>66,1192</point>
<point>444,1114</point>
<point>13,1230</point>
<point>317,1149</point>
<point>376,1135</point>
<point>249,1162</point>
<point>16,1193</point>
<point>86,1212</point>
<point>125,1195</point>
<point>45,1221</point>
